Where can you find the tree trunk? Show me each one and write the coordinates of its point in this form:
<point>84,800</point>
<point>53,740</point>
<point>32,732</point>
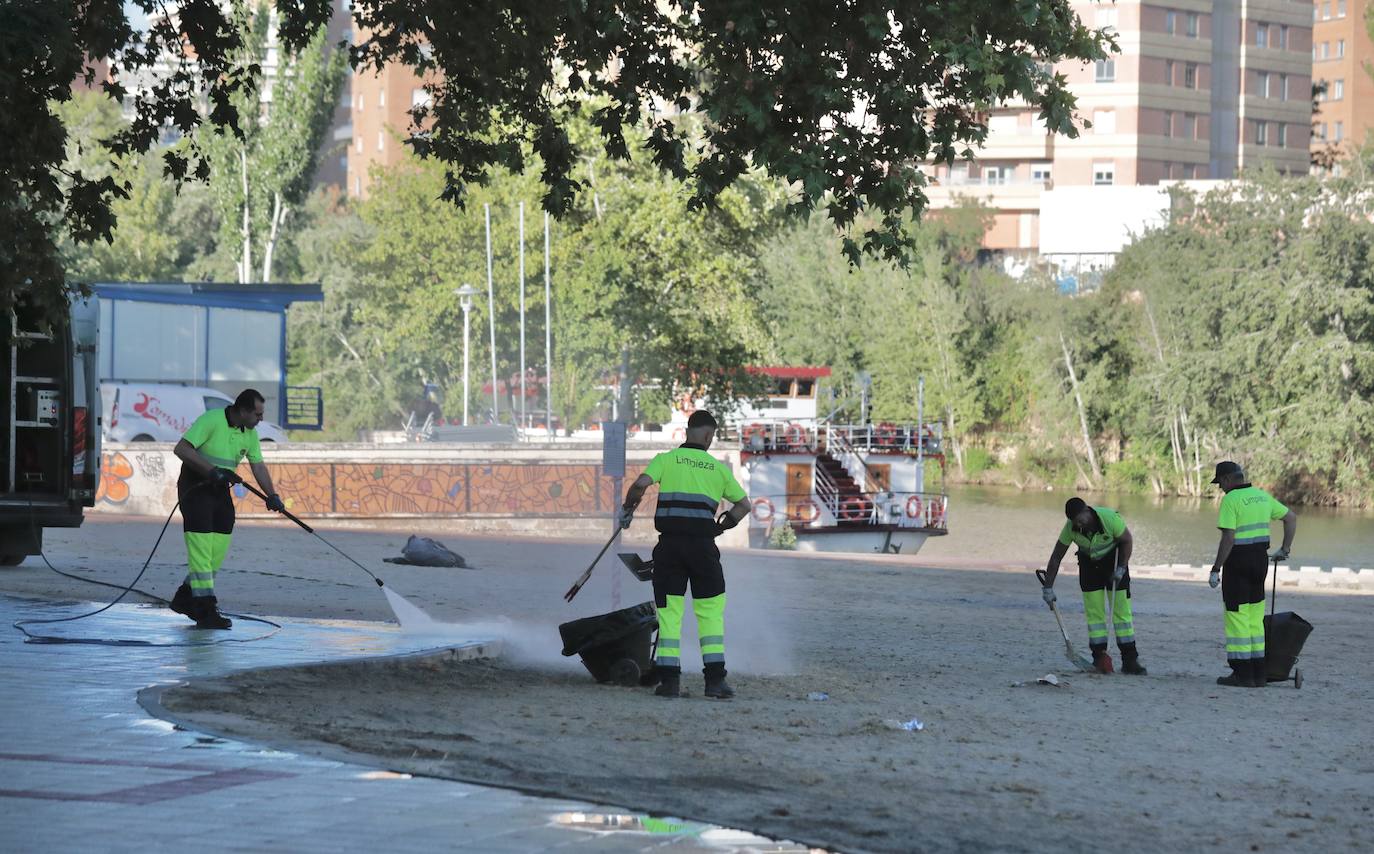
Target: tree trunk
<point>245,233</point>
<point>1082,411</point>
<point>278,217</point>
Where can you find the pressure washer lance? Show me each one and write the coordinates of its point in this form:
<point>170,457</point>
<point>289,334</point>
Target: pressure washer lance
<point>310,530</point>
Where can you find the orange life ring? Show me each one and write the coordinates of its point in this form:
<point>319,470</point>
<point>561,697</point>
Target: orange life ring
<point>807,511</point>
<point>852,510</point>
<point>936,514</point>
<point>751,430</point>
<point>913,507</point>
<point>796,435</point>
<point>764,503</point>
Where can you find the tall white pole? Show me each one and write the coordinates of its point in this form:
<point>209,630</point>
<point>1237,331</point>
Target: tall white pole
<point>491,325</point>
<point>548,337</point>
<point>522,316</point>
<point>467,316</point>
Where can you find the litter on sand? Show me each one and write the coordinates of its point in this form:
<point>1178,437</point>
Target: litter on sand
<point>422,551</point>
<point>1051,679</point>
<point>817,696</point>
<point>912,725</point>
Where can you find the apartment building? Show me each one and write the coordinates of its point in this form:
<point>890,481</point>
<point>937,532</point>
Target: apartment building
<point>1199,90</point>
<point>1341,53</point>
<point>382,101</point>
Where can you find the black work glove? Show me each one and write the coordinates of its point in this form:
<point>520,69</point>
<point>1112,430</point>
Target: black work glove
<point>275,504</point>
<point>725,522</point>
<point>627,515</point>
<point>222,477</point>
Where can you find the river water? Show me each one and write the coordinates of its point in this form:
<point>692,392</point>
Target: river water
<point>1006,525</point>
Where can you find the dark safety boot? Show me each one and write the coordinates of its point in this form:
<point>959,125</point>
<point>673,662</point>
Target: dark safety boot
<point>181,601</point>
<point>1133,667</point>
<point>1102,662</point>
<point>1239,678</point>
<point>1259,673</point>
<point>669,685</point>
<point>716,686</point>
<point>206,613</point>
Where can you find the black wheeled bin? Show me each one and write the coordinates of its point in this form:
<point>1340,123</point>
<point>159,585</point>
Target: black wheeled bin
<point>615,647</point>
<point>1284,635</point>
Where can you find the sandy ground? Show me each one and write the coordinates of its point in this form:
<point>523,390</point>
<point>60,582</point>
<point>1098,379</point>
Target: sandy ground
<point>1166,762</point>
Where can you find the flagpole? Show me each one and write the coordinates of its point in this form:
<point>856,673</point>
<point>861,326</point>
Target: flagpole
<point>548,337</point>
<point>491,324</point>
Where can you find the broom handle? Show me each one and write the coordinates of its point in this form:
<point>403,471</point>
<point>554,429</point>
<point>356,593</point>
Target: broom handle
<point>1274,596</point>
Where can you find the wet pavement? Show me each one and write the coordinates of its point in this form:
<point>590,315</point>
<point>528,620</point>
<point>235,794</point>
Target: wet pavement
<point>82,765</point>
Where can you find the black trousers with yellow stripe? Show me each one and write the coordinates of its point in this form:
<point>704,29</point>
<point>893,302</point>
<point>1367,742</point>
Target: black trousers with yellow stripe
<point>1242,590</point>
<point>207,522</point>
<point>679,561</point>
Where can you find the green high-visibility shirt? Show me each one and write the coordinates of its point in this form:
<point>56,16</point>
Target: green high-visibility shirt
<point>1248,510</point>
<point>222,444</point>
<point>1099,544</point>
<point>691,484</point>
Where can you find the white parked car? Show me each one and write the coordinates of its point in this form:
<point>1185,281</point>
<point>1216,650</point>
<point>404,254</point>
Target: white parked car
<point>156,412</point>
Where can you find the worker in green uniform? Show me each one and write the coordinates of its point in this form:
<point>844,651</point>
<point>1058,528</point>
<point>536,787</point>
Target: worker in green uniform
<point>1104,557</point>
<point>1241,566</point>
<point>210,452</point>
<point>691,485</point>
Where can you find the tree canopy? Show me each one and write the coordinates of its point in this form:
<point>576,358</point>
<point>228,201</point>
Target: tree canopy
<point>841,100</point>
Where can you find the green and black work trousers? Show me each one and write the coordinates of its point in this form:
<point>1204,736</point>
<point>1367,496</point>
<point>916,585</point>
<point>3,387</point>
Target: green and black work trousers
<point>680,561</point>
<point>207,522</point>
<point>1242,590</point>
<point>1095,581</point>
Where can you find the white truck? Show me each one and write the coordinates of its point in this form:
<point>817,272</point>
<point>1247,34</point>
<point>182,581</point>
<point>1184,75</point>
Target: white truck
<point>50,444</point>
<point>161,412</point>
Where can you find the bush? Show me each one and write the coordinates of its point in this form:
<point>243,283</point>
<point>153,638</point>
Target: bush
<point>783,537</point>
<point>1130,475</point>
<point>977,461</point>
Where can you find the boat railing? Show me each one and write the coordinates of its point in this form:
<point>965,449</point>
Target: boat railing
<point>925,510</point>
<point>801,437</point>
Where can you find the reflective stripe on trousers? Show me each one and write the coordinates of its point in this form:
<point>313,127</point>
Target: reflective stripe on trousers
<point>1245,632</point>
<point>1095,610</point>
<point>205,554</point>
<point>710,614</point>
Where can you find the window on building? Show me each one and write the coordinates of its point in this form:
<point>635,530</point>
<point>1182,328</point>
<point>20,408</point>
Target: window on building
<point>1262,84</point>
<point>1105,70</point>
<point>996,174</point>
<point>1040,173</point>
<point>1261,35</point>
<point>1282,132</point>
<point>1326,50</point>
<point>1190,75</point>
<point>419,98</point>
<point>1321,131</point>
<point>1003,124</point>
<point>1338,90</point>
<point>1104,121</point>
<point>1340,131</point>
<point>958,175</point>
<point>1326,11</point>
<point>1261,133</point>
<point>1340,48</point>
<point>1106,18</point>
<point>381,139</point>
<point>1104,174</point>
<point>1168,123</point>
<point>1283,37</point>
<point>1192,25</point>
<point>1340,8</point>
<point>1283,87</point>
<point>1171,22</point>
<point>360,145</point>
<point>1168,72</point>
<point>360,101</point>
<point>381,99</point>
<point>1189,126</point>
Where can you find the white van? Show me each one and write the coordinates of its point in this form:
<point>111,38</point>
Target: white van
<point>158,412</point>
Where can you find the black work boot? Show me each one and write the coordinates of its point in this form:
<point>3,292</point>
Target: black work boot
<point>1239,678</point>
<point>206,613</point>
<point>1259,673</point>
<point>716,686</point>
<point>1130,661</point>
<point>669,685</point>
<point>181,600</point>
<point>1102,661</point>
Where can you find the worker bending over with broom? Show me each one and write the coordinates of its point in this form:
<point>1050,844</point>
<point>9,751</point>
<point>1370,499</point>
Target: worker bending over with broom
<point>210,452</point>
<point>1104,557</point>
<point>1240,569</point>
<point>691,484</point>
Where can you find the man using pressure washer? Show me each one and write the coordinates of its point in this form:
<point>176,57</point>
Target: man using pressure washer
<point>1104,556</point>
<point>210,452</point>
<point>1240,569</point>
<point>691,485</point>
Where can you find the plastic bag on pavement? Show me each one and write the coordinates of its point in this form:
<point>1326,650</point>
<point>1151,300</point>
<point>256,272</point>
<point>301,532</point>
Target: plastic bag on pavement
<point>422,551</point>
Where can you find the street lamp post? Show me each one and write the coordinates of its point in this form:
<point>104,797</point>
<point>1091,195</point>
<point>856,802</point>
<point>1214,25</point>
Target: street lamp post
<point>465,295</point>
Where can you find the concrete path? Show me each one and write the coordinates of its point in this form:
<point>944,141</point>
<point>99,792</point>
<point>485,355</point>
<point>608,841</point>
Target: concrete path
<point>84,767</point>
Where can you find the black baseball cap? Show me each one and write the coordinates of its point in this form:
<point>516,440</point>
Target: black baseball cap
<point>1226,467</point>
